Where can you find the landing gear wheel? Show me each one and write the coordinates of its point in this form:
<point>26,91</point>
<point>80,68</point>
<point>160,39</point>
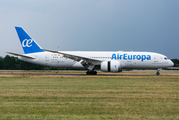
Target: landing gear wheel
<point>157,73</point>
<point>91,73</point>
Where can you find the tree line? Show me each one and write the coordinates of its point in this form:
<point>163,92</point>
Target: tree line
<point>176,62</point>
<point>11,63</point>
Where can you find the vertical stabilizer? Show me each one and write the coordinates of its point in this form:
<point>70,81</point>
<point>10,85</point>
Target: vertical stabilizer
<point>28,44</point>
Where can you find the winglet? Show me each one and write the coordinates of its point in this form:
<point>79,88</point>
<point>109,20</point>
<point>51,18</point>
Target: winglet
<point>28,44</point>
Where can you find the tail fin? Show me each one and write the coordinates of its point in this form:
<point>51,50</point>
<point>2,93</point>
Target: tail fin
<point>28,44</point>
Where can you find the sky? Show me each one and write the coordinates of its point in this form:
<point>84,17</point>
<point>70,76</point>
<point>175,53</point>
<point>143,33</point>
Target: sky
<point>92,25</point>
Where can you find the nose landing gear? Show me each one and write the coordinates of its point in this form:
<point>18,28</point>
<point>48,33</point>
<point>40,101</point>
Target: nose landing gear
<point>158,73</point>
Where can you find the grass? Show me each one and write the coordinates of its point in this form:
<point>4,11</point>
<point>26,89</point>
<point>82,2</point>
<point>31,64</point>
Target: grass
<point>40,97</point>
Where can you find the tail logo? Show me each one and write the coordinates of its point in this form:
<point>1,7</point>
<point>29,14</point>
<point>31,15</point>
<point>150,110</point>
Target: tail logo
<point>27,43</point>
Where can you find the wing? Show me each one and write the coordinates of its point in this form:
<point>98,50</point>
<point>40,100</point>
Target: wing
<point>87,62</point>
<point>26,56</point>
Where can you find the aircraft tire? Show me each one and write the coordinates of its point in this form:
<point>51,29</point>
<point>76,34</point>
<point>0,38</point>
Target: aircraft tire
<point>91,73</point>
<point>158,73</point>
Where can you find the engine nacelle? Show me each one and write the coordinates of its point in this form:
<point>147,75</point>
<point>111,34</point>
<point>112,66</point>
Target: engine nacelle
<point>111,66</point>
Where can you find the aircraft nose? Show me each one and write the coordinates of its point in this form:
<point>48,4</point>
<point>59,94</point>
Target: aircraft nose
<point>171,63</point>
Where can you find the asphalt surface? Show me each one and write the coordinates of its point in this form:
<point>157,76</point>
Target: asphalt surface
<point>87,75</point>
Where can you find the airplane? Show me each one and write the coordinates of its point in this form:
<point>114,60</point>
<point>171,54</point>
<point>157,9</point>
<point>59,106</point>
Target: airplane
<point>106,61</point>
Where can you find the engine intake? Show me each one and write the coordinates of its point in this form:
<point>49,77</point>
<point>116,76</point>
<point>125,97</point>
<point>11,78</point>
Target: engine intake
<point>111,66</point>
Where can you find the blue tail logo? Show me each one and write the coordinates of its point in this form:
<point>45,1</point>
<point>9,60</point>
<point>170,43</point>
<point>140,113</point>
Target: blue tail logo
<point>28,44</point>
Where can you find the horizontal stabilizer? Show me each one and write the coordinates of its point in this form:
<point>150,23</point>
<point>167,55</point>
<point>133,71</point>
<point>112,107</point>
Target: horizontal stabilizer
<point>21,55</point>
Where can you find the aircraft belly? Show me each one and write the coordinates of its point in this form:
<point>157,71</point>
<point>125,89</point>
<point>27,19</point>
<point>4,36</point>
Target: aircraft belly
<point>78,65</point>
<point>65,63</point>
<point>142,65</point>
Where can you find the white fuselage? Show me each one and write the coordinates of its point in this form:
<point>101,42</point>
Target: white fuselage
<point>131,60</point>
<point>107,61</point>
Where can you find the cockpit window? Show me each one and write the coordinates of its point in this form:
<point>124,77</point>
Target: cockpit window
<point>165,58</point>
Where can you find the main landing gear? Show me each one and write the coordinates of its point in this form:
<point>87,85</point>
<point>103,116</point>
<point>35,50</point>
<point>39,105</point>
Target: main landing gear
<point>91,73</point>
<point>158,73</point>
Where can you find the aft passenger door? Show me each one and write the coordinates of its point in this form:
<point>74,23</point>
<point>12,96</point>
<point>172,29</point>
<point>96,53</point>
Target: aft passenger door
<point>47,58</point>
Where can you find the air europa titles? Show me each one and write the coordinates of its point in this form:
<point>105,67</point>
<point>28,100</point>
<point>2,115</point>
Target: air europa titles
<point>130,57</point>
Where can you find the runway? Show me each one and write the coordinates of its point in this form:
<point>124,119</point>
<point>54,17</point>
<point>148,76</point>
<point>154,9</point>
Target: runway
<point>39,74</point>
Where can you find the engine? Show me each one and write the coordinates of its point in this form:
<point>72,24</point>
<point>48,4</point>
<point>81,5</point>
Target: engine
<point>111,66</point>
